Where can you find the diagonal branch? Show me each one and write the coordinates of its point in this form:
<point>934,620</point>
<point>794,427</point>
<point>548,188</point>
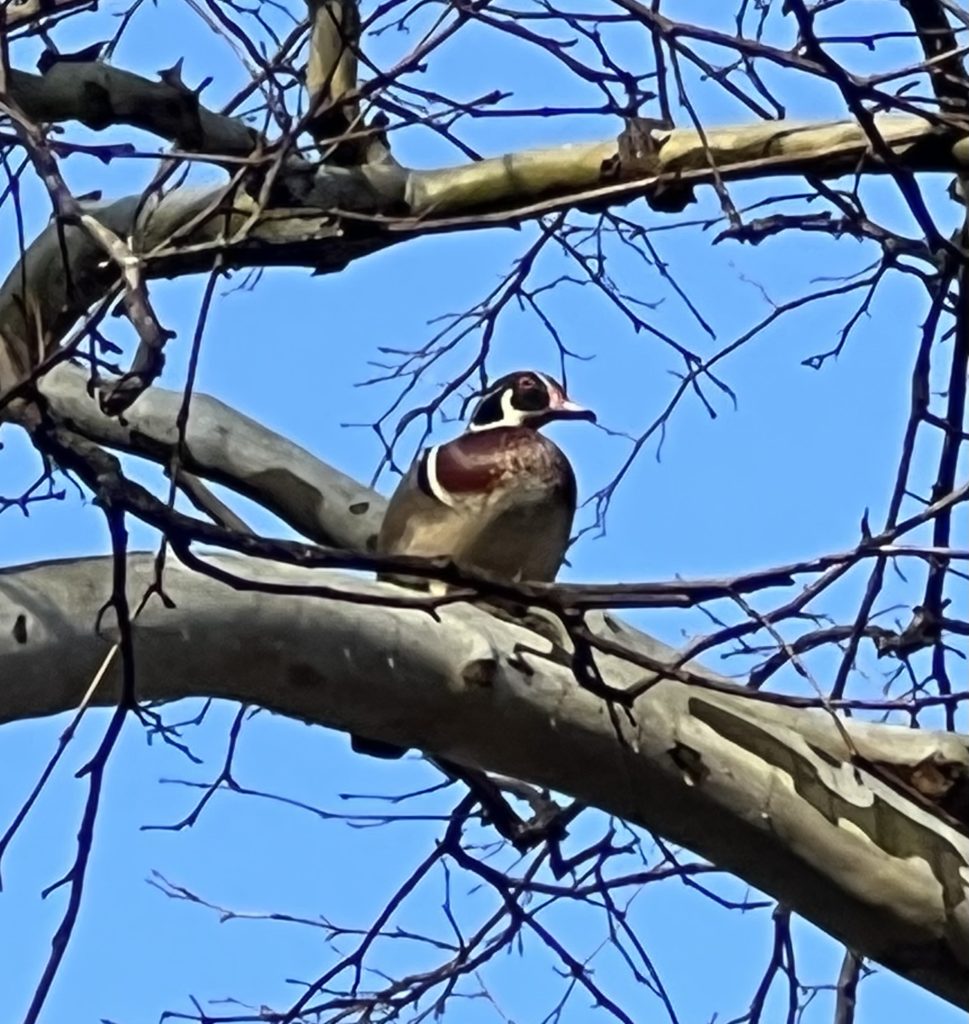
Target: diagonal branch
<point>149,359</point>
<point>99,95</point>
<point>226,447</point>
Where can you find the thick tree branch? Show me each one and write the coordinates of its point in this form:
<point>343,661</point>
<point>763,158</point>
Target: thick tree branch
<point>336,511</point>
<point>764,791</point>
<point>346,213</point>
<point>226,447</point>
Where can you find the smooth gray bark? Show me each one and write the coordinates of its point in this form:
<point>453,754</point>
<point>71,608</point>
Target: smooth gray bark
<point>764,790</point>
<point>759,789</point>
<point>226,447</point>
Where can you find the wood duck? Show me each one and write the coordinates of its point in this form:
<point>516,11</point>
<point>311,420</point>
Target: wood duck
<point>499,498</point>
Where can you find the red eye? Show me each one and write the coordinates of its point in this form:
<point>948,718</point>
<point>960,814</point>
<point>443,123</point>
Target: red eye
<point>528,383</point>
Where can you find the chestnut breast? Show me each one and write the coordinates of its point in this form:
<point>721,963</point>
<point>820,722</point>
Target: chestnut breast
<point>489,467</point>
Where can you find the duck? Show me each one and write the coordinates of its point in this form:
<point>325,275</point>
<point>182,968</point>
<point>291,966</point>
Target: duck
<point>498,498</point>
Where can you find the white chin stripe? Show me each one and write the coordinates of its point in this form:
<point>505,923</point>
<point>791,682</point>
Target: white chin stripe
<point>433,483</point>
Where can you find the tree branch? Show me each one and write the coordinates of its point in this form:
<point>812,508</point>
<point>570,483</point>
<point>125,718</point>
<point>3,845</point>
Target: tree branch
<point>226,447</point>
<point>99,95</point>
<point>764,791</point>
<point>20,15</point>
<point>943,59</point>
<point>331,72</point>
<point>345,213</point>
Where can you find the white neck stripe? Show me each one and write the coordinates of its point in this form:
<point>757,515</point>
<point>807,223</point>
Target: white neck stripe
<point>433,482</point>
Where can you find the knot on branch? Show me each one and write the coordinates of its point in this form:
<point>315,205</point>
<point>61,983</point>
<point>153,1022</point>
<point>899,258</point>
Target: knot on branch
<point>638,156</point>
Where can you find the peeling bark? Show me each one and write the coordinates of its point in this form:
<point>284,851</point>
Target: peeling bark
<point>853,835</point>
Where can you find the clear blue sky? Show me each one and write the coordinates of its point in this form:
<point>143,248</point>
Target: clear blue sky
<point>786,475</point>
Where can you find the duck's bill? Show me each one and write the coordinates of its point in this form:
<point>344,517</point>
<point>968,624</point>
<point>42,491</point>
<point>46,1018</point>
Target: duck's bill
<point>569,410</point>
